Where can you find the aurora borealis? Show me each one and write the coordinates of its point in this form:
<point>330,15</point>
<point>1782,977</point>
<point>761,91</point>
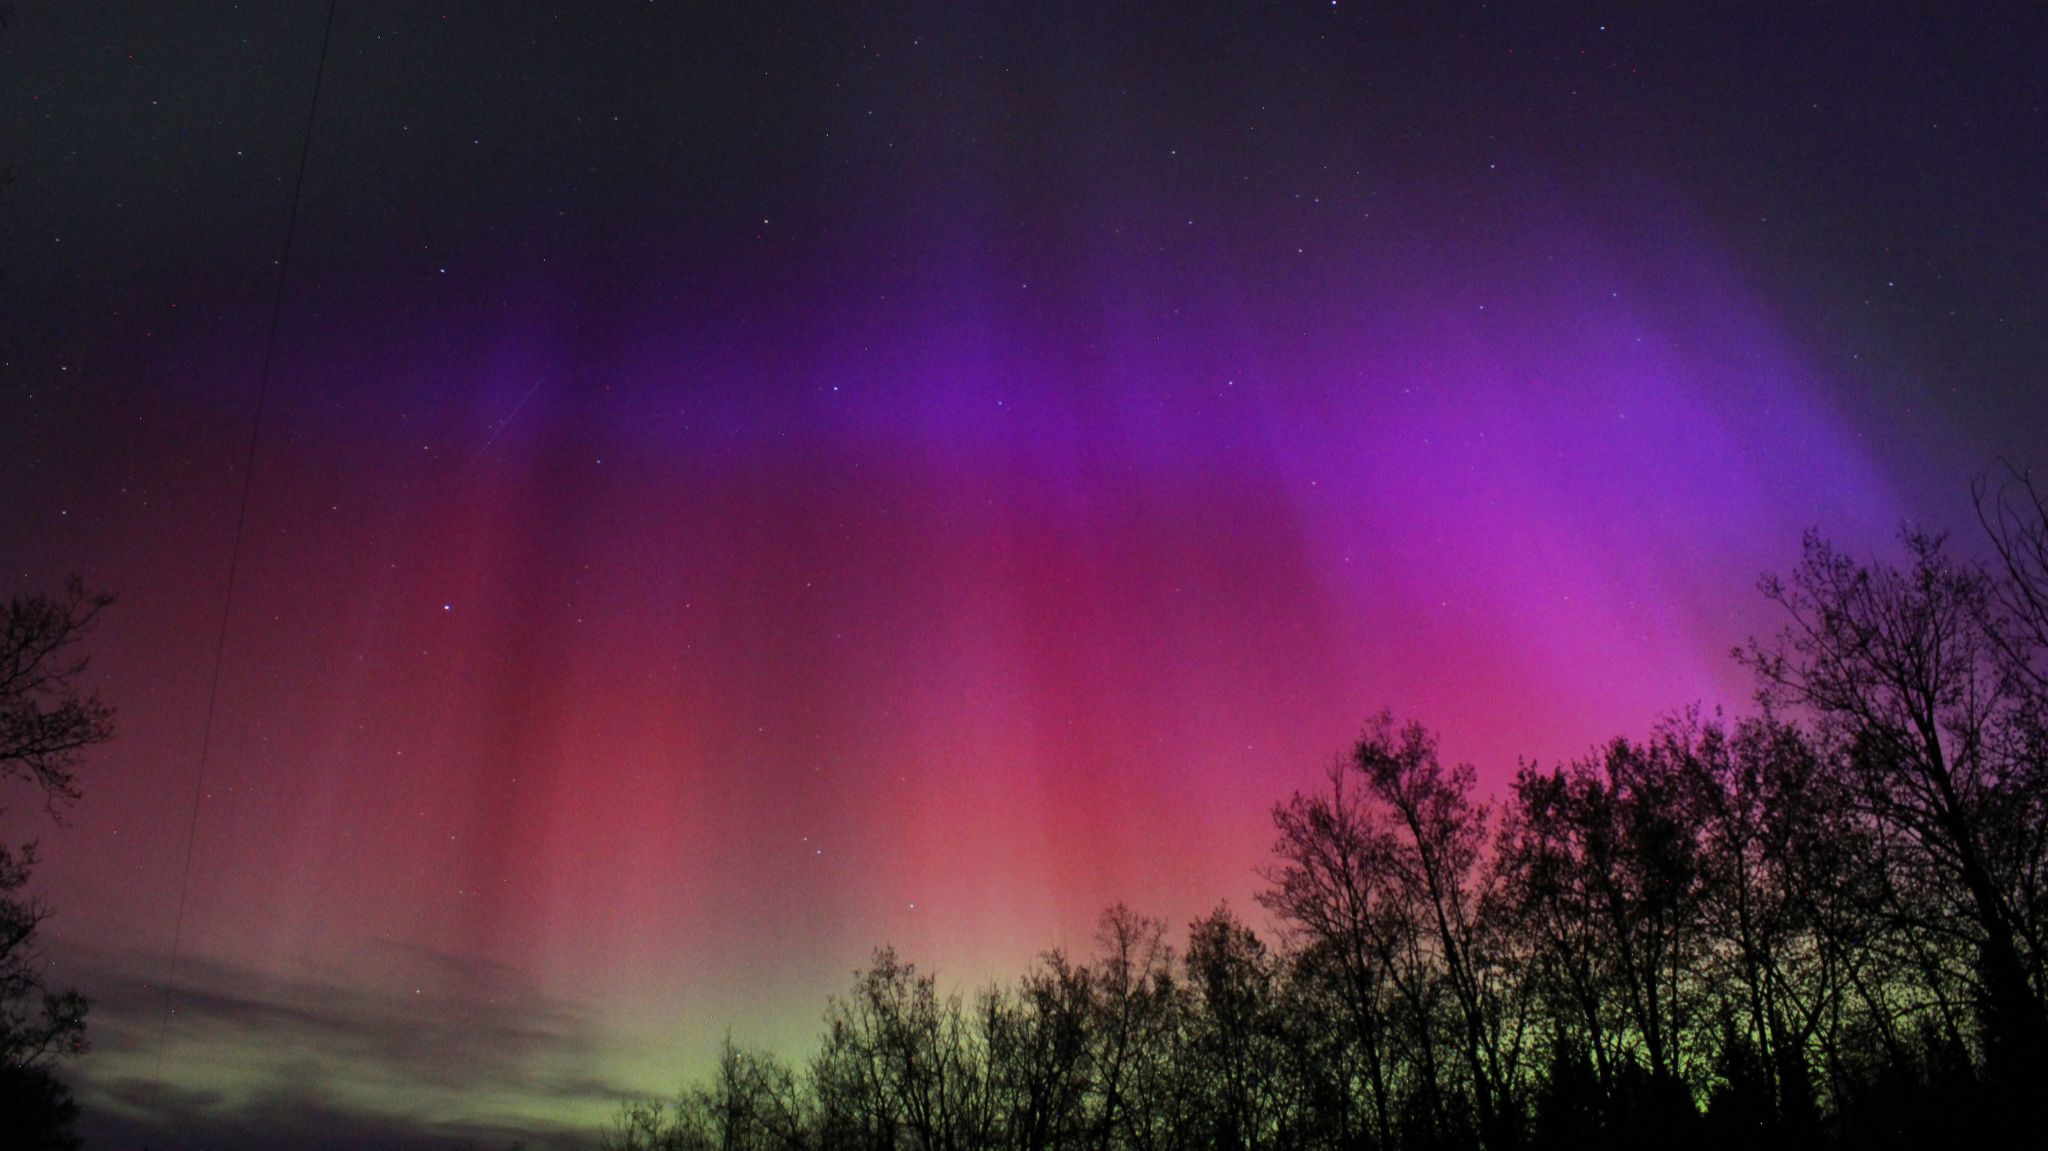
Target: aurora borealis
<point>738,488</point>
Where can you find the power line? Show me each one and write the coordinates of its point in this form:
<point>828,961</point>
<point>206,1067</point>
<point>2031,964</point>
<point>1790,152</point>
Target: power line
<point>235,549</point>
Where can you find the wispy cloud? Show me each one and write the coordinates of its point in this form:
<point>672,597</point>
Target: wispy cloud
<point>436,1050</point>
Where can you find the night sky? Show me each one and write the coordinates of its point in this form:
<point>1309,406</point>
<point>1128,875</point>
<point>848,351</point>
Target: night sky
<point>740,487</point>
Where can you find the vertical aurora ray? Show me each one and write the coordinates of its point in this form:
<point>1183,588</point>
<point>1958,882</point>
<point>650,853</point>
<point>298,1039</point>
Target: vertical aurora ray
<point>924,503</point>
<point>668,696</point>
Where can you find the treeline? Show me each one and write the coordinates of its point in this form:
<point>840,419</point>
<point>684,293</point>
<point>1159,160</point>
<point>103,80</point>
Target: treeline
<point>1824,924</point>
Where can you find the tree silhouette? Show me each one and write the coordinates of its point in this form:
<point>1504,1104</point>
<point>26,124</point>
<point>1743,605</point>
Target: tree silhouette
<point>1336,884</point>
<point>46,724</point>
<point>1909,677</point>
<point>2015,518</point>
<point>46,721</point>
<point>1139,1026</point>
<point>1039,1056</point>
<point>1235,1052</point>
<point>1818,925</point>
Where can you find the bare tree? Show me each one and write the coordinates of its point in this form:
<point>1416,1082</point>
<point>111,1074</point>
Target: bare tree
<point>1387,878</point>
<point>901,1064</point>
<point>1137,1033</point>
<point>1909,682</point>
<point>1820,925</point>
<point>2015,519</point>
<point>1039,1054</point>
<point>1235,1046</point>
<point>1439,859</point>
<point>47,722</point>
<point>1603,857</point>
<point>1335,883</point>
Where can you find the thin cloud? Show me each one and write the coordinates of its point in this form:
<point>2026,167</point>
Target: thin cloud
<point>452,1050</point>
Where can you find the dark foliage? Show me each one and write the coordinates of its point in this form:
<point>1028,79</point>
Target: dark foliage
<point>36,1109</point>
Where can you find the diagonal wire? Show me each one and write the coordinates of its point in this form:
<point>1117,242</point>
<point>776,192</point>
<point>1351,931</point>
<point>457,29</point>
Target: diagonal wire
<point>235,549</point>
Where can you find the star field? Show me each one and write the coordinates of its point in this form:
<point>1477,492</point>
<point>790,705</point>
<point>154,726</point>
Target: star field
<point>740,486</point>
